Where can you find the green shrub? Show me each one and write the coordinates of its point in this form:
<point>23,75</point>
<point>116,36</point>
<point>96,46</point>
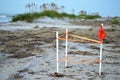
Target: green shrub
<point>36,26</point>
<point>23,17</point>
<point>83,16</point>
<point>29,17</point>
<point>115,20</point>
<point>110,30</point>
<point>50,13</point>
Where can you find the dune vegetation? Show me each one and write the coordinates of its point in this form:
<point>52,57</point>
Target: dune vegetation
<point>115,20</point>
<point>52,10</point>
<point>29,17</point>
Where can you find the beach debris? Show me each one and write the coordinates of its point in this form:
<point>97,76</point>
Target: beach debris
<point>57,75</point>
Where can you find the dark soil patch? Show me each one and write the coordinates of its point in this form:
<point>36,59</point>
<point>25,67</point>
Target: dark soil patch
<point>94,47</point>
<point>113,57</point>
<point>90,23</point>
<point>26,70</point>
<point>21,55</point>
<point>57,75</point>
<point>16,77</point>
<point>114,51</point>
<point>81,53</point>
<point>22,43</point>
<point>114,47</point>
<point>114,63</point>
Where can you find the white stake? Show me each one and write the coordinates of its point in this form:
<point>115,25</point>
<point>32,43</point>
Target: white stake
<point>66,50</point>
<point>57,51</point>
<point>100,64</point>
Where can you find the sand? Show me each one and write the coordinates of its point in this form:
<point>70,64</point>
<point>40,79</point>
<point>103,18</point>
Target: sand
<point>28,53</point>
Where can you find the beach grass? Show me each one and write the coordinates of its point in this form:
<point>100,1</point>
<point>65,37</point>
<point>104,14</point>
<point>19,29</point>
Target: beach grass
<point>116,20</point>
<point>29,17</point>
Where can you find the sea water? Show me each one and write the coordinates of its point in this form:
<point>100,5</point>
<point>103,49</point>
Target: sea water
<point>5,18</point>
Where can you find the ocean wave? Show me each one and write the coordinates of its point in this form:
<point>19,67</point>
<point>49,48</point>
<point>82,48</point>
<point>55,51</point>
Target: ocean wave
<point>3,16</point>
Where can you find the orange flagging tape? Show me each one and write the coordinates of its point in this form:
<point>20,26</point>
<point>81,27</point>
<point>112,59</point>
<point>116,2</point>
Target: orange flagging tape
<point>88,39</point>
<point>97,61</point>
<point>82,61</point>
<point>61,60</point>
<point>62,35</point>
<point>66,58</point>
<point>65,39</point>
<point>71,40</point>
<point>85,62</point>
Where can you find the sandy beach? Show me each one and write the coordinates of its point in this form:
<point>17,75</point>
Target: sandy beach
<point>29,53</point>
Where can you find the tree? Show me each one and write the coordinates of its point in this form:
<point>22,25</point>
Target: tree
<point>62,7</point>
<point>32,7</point>
<point>83,12</point>
<point>73,11</point>
<point>28,6</point>
<point>43,7</point>
<point>53,6</point>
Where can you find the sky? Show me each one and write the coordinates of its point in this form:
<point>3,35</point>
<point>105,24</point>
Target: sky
<point>103,7</point>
